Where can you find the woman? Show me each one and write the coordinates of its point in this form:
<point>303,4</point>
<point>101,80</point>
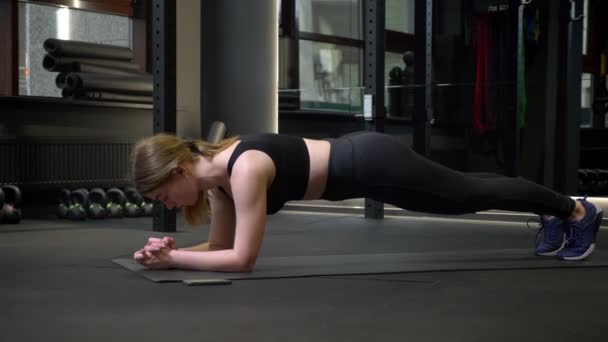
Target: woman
<point>243,179</point>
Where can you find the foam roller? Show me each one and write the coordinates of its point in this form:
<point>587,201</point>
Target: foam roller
<point>132,85</point>
<point>66,48</point>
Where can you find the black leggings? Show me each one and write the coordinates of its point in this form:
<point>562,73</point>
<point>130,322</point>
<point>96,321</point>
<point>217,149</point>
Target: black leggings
<point>379,166</point>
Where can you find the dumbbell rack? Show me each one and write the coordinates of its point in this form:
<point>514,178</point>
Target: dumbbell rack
<point>42,166</point>
<point>98,203</point>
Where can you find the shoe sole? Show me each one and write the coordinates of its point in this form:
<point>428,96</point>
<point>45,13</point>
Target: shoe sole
<point>554,253</point>
<point>596,228</point>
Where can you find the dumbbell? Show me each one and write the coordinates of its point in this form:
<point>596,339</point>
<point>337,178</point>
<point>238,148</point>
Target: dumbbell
<point>148,208</point>
<point>97,204</point>
<point>133,204</point>
<point>64,204</point>
<point>11,213</point>
<point>114,206</point>
<point>79,199</point>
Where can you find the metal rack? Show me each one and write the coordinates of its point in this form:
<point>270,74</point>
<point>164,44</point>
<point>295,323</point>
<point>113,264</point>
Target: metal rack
<point>165,85</point>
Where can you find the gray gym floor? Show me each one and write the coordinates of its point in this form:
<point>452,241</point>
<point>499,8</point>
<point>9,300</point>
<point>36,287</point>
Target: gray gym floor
<point>59,284</point>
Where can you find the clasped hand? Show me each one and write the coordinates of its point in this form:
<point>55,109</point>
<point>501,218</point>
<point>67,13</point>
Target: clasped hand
<point>156,253</point>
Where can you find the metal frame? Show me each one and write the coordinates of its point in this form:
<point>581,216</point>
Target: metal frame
<point>165,85</point>
<point>322,38</point>
<point>423,74</point>
<point>374,24</point>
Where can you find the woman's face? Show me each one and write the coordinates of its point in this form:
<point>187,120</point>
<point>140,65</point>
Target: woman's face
<point>181,189</point>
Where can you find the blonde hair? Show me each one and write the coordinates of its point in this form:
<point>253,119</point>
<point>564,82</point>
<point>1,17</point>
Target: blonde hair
<point>153,159</point>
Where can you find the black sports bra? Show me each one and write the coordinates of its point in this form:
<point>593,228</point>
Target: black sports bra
<point>291,160</point>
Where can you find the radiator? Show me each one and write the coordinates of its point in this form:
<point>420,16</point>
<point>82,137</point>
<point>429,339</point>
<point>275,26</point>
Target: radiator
<point>51,163</point>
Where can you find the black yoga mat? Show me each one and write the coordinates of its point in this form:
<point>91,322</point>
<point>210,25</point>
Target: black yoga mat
<point>132,85</point>
<point>66,48</point>
<point>70,64</point>
<point>107,96</point>
<point>306,266</point>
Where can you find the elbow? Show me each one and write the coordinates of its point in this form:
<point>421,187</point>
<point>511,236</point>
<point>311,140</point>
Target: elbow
<point>246,264</point>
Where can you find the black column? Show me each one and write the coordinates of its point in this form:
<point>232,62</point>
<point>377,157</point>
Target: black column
<point>423,76</point>
<point>373,98</point>
<point>239,65</point>
<point>512,158</point>
<point>509,115</point>
<point>552,73</point>
<point>165,85</point>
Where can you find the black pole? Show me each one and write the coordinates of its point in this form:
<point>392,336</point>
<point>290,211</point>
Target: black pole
<point>373,98</point>
<point>572,118</point>
<point>293,33</point>
<point>164,60</point>
<point>423,75</point>
<point>551,91</point>
<point>511,147</point>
